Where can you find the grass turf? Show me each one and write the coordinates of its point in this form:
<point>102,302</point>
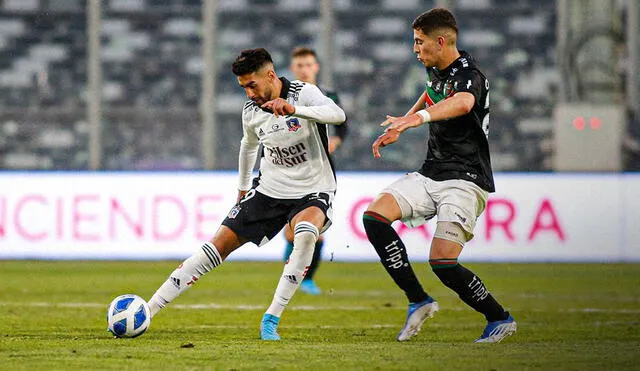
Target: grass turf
<point>570,317</point>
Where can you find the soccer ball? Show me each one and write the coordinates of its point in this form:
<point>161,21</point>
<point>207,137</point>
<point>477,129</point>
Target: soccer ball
<point>128,316</point>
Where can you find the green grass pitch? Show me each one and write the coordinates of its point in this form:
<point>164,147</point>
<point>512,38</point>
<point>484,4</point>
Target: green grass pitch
<point>570,317</point>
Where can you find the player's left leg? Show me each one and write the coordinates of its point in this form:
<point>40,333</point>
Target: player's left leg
<point>306,228</point>
<point>443,258</point>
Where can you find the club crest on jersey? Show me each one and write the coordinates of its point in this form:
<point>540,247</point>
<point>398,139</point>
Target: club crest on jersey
<point>450,89</point>
<point>293,124</point>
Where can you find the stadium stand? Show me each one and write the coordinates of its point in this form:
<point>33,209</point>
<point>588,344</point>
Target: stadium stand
<point>152,77</point>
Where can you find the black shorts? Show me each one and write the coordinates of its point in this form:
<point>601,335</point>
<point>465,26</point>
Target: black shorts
<point>258,218</point>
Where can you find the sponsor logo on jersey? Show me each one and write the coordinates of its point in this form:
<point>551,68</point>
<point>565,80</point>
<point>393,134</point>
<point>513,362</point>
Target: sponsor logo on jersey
<point>288,156</point>
<point>261,132</point>
<point>293,124</point>
<point>275,128</point>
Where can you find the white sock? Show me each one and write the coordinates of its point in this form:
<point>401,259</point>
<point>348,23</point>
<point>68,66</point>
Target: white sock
<point>304,241</point>
<point>187,273</point>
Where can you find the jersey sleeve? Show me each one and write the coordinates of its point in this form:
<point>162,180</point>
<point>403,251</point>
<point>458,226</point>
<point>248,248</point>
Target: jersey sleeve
<point>469,81</point>
<point>313,105</point>
<point>249,145</point>
<point>340,131</point>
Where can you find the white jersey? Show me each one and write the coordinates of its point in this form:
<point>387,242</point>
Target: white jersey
<point>295,160</point>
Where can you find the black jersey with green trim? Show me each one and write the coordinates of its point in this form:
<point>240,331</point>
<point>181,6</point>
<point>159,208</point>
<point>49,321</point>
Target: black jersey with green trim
<point>458,148</point>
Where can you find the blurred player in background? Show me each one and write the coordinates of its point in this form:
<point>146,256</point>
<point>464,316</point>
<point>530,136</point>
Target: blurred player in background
<point>305,67</point>
<point>295,186</point>
<point>453,182</point>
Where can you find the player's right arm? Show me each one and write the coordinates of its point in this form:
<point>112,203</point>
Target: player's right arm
<point>249,145</point>
<point>458,105</point>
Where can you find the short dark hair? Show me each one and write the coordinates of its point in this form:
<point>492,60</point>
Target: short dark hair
<point>435,19</point>
<point>302,51</point>
<point>251,60</point>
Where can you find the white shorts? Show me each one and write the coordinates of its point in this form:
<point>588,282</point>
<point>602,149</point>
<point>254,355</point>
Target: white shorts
<point>421,198</point>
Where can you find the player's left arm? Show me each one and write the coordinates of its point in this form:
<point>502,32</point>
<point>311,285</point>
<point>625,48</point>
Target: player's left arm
<point>312,105</point>
<point>459,104</point>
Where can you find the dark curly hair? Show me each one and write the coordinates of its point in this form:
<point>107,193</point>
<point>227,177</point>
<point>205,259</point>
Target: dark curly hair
<point>435,19</point>
<point>251,60</point>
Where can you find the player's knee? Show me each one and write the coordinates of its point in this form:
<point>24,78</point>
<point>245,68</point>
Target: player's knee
<point>226,241</point>
<point>385,205</point>
<point>288,233</point>
<point>372,221</point>
<point>305,235</point>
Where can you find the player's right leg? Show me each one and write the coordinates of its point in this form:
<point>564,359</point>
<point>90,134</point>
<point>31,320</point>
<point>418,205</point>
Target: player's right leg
<point>393,255</point>
<point>308,285</point>
<point>207,257</point>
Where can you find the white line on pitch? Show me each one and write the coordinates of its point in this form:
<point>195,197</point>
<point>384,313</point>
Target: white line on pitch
<point>325,327</point>
<point>307,307</point>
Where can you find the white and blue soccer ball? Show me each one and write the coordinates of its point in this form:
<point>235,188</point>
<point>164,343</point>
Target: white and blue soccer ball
<point>128,316</point>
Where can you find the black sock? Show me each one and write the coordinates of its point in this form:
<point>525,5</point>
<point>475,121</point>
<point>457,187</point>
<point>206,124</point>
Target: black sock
<point>317,253</point>
<point>393,255</point>
<point>469,288</point>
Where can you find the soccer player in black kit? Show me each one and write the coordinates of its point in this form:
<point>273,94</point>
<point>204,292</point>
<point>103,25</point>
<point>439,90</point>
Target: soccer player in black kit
<point>453,183</point>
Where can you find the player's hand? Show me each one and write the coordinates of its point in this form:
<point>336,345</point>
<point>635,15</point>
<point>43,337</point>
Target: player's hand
<point>388,137</point>
<point>240,195</point>
<point>334,143</point>
<point>280,107</point>
<point>402,123</point>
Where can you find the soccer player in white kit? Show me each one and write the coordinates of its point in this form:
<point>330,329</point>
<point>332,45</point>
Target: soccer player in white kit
<point>295,186</point>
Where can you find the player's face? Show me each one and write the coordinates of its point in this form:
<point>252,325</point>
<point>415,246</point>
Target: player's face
<point>305,68</point>
<point>429,50</point>
<point>258,85</point>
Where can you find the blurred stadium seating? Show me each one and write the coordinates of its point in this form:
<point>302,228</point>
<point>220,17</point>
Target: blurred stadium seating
<point>152,77</point>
